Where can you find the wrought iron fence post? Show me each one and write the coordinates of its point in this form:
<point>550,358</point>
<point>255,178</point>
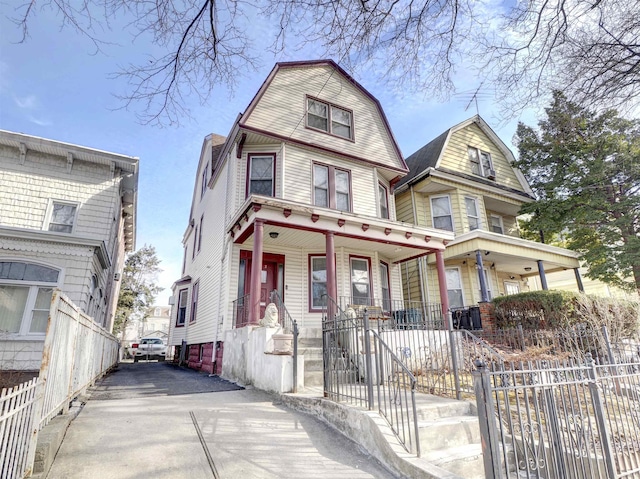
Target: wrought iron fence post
<point>607,342</point>
<point>367,359</point>
<point>486,418</point>
<point>454,355</point>
<point>601,420</point>
<point>521,337</point>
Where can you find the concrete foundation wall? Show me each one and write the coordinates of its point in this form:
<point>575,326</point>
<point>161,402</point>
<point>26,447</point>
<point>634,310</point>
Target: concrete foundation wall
<point>249,359</point>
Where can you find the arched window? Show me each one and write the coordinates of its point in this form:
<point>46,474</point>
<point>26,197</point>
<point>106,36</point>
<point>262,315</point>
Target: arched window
<point>25,297</point>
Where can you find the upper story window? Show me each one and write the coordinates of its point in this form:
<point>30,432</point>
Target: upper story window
<point>62,216</point>
<point>329,118</point>
<point>472,213</point>
<point>331,187</point>
<point>496,224</point>
<point>481,163</point>
<point>383,200</point>
<point>25,297</point>
<point>441,213</point>
<point>183,299</point>
<point>200,233</point>
<point>261,175</point>
<point>204,180</point>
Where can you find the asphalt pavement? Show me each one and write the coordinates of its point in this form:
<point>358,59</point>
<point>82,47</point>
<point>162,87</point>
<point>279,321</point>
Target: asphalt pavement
<point>155,420</point>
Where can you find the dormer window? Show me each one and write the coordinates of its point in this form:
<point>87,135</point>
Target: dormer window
<point>481,163</point>
<point>329,118</point>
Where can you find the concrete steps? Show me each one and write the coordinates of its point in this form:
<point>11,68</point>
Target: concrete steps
<point>450,435</point>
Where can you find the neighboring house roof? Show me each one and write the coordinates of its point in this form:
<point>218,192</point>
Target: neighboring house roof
<point>128,166</point>
<point>429,157</point>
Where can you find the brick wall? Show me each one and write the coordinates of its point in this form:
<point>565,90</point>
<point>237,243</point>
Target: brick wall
<point>487,316</point>
<point>206,365</point>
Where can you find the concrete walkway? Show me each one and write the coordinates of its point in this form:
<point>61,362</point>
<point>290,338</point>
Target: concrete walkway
<point>156,420</point>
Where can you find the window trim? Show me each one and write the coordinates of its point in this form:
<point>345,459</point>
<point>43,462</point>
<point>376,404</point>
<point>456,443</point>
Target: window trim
<point>433,224</point>
<point>457,268</point>
<point>204,178</point>
<point>49,215</point>
<point>386,265</point>
<point>195,242</point>
<point>487,279</point>
<point>477,217</point>
<point>311,256</point>
<point>250,156</point>
<point>386,198</point>
<point>195,290</point>
<point>493,215</point>
<point>368,259</point>
<point>483,173</point>
<point>331,194</point>
<point>351,138</point>
<point>24,331</point>
<point>180,324</point>
<point>199,232</point>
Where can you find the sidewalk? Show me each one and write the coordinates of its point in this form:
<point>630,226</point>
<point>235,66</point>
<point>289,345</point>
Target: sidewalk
<point>143,421</point>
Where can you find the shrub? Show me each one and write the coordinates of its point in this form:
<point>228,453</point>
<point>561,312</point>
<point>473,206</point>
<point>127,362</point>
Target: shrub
<point>561,309</point>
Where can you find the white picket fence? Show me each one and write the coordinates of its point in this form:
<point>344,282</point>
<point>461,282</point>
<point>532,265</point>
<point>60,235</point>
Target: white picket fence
<point>77,351</point>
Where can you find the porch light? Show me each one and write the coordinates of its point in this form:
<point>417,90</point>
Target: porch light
<point>528,268</point>
<point>275,234</point>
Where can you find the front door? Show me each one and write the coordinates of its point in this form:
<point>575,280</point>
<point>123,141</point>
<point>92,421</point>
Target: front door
<point>271,276</point>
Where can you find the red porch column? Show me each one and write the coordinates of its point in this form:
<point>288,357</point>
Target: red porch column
<point>442,284</point>
<point>256,270</point>
<point>332,287</point>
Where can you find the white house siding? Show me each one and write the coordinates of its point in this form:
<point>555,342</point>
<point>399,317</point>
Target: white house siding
<point>28,189</point>
<point>281,110</point>
<point>299,180</point>
<point>21,355</point>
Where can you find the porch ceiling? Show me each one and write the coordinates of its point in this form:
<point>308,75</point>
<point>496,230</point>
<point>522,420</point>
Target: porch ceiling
<point>291,225</point>
<point>509,254</point>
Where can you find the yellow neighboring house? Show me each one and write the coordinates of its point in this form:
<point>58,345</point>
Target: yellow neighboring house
<point>463,181</point>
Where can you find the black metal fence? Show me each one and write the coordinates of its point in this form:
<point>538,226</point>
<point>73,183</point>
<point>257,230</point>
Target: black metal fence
<point>551,419</point>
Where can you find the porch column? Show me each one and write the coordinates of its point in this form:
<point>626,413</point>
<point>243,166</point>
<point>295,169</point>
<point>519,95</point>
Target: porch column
<point>442,284</point>
<point>256,271</point>
<point>332,287</point>
<point>576,271</point>
<point>543,276</point>
<point>484,293</point>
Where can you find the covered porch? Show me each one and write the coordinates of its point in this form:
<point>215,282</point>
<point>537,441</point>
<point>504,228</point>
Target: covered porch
<point>307,254</point>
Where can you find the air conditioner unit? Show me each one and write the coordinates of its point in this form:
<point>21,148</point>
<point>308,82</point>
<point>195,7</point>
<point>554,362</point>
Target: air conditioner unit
<point>116,276</point>
<point>491,174</point>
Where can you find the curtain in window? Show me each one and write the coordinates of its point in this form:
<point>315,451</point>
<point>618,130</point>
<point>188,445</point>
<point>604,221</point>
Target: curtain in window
<point>13,300</point>
<point>62,218</point>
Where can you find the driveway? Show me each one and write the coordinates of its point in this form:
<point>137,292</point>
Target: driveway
<point>157,420</point>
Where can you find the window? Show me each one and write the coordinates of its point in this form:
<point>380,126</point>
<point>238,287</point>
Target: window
<point>511,287</point>
<point>200,353</point>
<point>261,175</point>
<point>329,118</point>
<point>496,224</point>
<point>360,281</point>
<point>195,243</point>
<point>157,312</point>
<point>472,213</point>
<point>63,217</point>
<point>204,180</point>
<point>331,187</point>
<point>383,199</point>
<point>183,298</point>
<point>194,301</point>
<point>25,297</point>
<point>481,164</point>
<point>318,288</point>
<point>441,213</point>
<point>384,285</point>
<point>454,288</point>
<point>200,233</point>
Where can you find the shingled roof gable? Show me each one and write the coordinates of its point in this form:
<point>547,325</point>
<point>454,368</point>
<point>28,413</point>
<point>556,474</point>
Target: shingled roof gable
<point>426,157</point>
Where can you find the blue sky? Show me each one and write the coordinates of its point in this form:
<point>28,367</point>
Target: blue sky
<point>55,86</point>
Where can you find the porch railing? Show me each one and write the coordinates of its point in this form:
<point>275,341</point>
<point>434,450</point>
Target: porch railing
<point>289,325</point>
<point>241,308</point>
